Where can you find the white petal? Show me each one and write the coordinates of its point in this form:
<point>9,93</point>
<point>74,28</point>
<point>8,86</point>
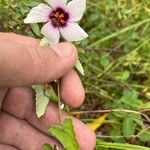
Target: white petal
<point>39,13</point>
<point>56,3</point>
<point>76,8</point>
<point>51,32</point>
<point>73,32</point>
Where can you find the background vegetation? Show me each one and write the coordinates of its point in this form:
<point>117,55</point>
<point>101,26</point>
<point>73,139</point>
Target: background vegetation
<point>116,59</point>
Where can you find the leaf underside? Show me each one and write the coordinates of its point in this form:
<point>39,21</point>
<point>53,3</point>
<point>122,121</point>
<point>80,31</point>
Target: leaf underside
<point>65,134</point>
<point>44,93</point>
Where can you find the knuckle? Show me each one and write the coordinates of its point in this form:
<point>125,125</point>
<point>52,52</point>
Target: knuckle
<point>9,35</point>
<point>39,62</point>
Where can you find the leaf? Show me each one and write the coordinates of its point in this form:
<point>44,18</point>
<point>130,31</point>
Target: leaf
<point>130,98</point>
<point>116,131</point>
<point>44,93</point>
<point>35,28</point>
<point>47,147</point>
<point>79,67</point>
<point>145,136</point>
<point>137,119</point>
<point>104,59</point>
<point>120,146</point>
<point>65,134</point>
<point>130,94</point>
<point>145,106</point>
<point>97,122</point>
<point>24,9</point>
<point>128,127</point>
<point>41,105</point>
<point>49,92</point>
<point>30,3</point>
<point>44,42</point>
<point>41,100</point>
<point>124,75</point>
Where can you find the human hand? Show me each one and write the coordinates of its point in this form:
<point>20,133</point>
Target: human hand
<point>23,63</point>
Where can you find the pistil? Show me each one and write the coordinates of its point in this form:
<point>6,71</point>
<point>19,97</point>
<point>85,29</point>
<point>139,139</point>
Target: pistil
<point>59,17</point>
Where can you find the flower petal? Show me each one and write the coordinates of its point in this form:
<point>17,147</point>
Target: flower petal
<point>73,32</point>
<point>39,13</point>
<point>56,3</point>
<point>76,9</point>
<point>51,32</point>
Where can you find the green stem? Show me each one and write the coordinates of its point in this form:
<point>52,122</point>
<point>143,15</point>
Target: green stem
<point>120,146</point>
<point>59,100</point>
<point>119,32</point>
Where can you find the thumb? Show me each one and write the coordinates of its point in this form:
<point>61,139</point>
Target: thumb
<point>23,65</point>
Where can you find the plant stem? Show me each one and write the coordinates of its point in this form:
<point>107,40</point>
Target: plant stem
<point>59,100</point>
<point>113,110</point>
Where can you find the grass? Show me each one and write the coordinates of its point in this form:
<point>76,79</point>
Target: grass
<point>116,59</point>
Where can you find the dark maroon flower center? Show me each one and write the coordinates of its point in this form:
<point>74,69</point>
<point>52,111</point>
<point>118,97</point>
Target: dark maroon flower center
<point>59,17</point>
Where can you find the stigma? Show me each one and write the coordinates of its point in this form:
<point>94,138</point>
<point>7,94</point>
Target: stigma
<point>59,17</point>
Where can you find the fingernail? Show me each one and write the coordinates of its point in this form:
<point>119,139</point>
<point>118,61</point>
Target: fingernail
<point>63,49</point>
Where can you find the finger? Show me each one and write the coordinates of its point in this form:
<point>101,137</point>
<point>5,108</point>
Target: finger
<point>7,147</point>
<point>3,92</point>
<point>20,134</point>
<point>72,91</point>
<point>26,65</point>
<point>69,82</point>
<point>72,94</point>
<point>25,40</point>
<point>24,104</point>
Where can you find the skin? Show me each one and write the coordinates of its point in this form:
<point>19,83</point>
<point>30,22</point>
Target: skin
<point>23,63</point>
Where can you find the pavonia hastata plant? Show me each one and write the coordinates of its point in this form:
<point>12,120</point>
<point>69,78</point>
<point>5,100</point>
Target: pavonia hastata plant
<point>60,21</point>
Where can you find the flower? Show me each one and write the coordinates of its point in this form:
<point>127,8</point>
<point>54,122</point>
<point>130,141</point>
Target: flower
<point>61,19</point>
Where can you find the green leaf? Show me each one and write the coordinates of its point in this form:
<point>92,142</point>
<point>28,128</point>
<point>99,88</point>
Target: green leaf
<point>128,127</point>
<point>145,106</point>
<point>47,147</point>
<point>41,100</point>
<point>145,136</point>
<point>44,42</point>
<point>130,98</point>
<point>65,134</point>
<point>130,94</point>
<point>41,105</point>
<point>124,75</point>
<point>120,146</point>
<point>79,67</point>
<point>24,9</point>
<point>30,2</point>
<point>137,119</point>
<point>35,28</point>
<point>49,92</point>
<point>104,59</point>
<point>104,62</point>
<point>44,93</point>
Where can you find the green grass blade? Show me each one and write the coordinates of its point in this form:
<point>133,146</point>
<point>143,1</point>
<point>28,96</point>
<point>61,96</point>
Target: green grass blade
<point>119,32</point>
<point>120,146</point>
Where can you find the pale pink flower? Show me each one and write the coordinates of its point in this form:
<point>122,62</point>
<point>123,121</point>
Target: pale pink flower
<point>61,18</point>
